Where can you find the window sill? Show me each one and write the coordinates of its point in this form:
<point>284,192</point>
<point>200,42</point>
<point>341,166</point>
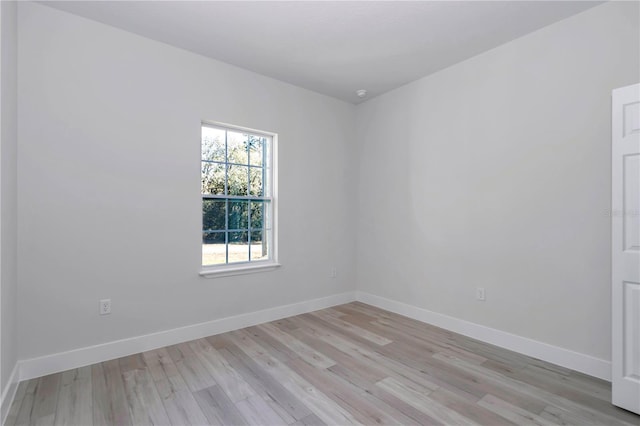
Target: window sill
<point>228,271</point>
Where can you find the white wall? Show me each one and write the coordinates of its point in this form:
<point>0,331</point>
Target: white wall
<point>495,173</point>
<point>108,167</point>
<point>8,190</point>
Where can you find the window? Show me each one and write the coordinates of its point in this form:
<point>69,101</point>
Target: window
<point>237,198</point>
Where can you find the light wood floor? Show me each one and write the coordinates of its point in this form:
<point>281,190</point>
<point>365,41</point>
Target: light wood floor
<point>349,364</point>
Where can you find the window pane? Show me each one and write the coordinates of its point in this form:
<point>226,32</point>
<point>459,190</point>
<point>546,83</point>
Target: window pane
<point>255,181</point>
<point>213,178</point>
<point>237,180</point>
<point>267,152</point>
<point>237,165</point>
<point>213,215</point>
<point>259,247</point>
<point>266,182</point>
<point>238,214</point>
<point>257,214</point>
<point>214,250</point>
<point>213,141</point>
<point>256,143</point>
<point>238,247</point>
<point>266,219</point>
<point>237,147</point>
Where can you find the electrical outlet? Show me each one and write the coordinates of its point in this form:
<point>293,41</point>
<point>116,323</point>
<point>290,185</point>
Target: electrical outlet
<point>105,306</point>
<point>480,294</point>
<point>333,272</point>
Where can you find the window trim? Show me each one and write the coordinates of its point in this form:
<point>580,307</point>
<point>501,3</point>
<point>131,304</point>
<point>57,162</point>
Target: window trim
<point>240,268</point>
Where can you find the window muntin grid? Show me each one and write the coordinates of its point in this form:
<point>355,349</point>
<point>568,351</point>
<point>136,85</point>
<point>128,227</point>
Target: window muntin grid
<point>236,172</point>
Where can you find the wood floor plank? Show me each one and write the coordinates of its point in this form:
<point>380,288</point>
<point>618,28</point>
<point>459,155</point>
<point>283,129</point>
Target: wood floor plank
<point>218,341</point>
<point>264,383</point>
<point>285,324</point>
<point>577,390</point>
<point>26,405</point>
<point>469,385</point>
<point>469,409</point>
<point>511,412</point>
<point>310,420</point>
<point>408,410</point>
<point>410,393</point>
<point>427,340</point>
<point>368,389</point>
<point>275,347</point>
<point>320,404</point>
<point>331,311</point>
<point>305,352</point>
<point>75,399</point>
<point>257,412</point>
<point>344,360</point>
<point>109,401</point>
<point>438,335</point>
<point>565,385</point>
<point>225,376</point>
<point>349,364</point>
<point>472,385</point>
<point>45,400</point>
<point>517,361</point>
<point>351,376</point>
<point>362,408</point>
<point>218,408</point>
<point>481,384</point>
<point>362,309</point>
<point>420,400</point>
<point>279,410</point>
<point>12,415</point>
<point>240,386</point>
<point>354,329</point>
<point>362,352</point>
<point>190,367</point>
<point>550,367</point>
<point>338,330</point>
<point>177,399</point>
<point>538,393</point>
<point>162,368</point>
<point>347,311</point>
<point>597,387</point>
<point>131,363</point>
<point>142,396</point>
<point>435,374</point>
<point>562,416</point>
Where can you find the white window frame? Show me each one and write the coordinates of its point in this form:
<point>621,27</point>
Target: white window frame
<point>252,266</point>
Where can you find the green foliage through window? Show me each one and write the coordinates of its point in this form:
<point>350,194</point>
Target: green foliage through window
<point>236,201</point>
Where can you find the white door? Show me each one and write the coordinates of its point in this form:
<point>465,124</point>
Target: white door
<point>625,247</point>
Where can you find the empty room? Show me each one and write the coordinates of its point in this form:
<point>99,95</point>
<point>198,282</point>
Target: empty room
<point>320,213</point>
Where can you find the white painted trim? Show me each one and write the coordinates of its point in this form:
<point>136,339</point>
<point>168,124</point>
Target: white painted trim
<point>556,355</point>
<point>49,364</point>
<point>246,268</point>
<point>9,393</point>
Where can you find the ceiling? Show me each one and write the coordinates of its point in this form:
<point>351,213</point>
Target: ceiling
<point>332,47</point>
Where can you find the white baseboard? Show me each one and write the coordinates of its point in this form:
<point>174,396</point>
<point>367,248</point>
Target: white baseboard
<point>9,393</point>
<point>556,355</point>
<point>49,364</point>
